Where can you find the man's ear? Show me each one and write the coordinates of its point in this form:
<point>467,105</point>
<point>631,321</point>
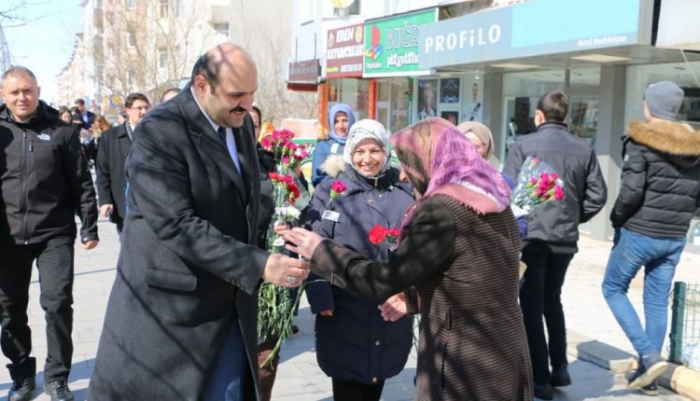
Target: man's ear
<point>200,83</point>
<point>539,118</point>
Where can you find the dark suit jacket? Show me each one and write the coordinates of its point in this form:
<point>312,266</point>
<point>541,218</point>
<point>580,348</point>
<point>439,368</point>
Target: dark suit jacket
<point>188,260</point>
<point>111,178</point>
<point>90,119</point>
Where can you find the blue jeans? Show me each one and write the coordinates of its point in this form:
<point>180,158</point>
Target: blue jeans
<point>659,256</point>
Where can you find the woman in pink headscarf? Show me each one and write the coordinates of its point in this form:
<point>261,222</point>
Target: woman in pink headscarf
<point>459,247</point>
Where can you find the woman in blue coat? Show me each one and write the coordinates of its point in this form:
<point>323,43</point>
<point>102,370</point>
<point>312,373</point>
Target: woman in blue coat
<point>341,120</point>
<point>355,346</point>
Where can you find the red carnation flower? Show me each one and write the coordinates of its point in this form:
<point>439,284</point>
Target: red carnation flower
<point>377,235</point>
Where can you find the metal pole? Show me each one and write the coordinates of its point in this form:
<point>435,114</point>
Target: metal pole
<point>677,321</point>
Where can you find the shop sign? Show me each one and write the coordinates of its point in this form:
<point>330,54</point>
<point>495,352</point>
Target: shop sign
<point>344,51</point>
<point>391,44</point>
<point>304,71</point>
<point>535,28</point>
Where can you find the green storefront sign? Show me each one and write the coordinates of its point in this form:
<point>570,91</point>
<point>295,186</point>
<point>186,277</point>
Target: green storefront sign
<point>391,44</point>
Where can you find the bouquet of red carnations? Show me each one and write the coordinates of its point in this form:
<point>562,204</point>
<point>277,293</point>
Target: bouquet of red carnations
<point>275,306</point>
<point>537,183</point>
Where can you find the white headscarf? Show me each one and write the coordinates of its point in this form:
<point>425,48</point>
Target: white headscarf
<point>365,129</point>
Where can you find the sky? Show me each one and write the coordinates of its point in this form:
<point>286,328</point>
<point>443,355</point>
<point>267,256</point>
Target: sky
<point>43,41</point>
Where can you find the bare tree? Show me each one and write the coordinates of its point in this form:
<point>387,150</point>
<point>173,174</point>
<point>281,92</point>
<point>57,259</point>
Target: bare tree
<point>12,11</point>
<point>268,42</point>
<point>150,48</point>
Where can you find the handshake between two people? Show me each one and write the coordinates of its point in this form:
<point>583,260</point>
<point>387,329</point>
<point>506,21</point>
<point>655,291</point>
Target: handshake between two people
<point>285,271</point>
<point>304,242</point>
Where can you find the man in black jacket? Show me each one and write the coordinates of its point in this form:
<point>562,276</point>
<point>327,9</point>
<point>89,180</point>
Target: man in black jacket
<point>42,187</point>
<point>658,197</point>
<point>550,244</point>
<point>111,161</point>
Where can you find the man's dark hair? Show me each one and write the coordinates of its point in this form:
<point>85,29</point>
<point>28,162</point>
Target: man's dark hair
<point>207,68</point>
<point>18,70</point>
<point>554,105</point>
<point>134,97</point>
<point>173,89</point>
<point>257,110</point>
<point>79,101</point>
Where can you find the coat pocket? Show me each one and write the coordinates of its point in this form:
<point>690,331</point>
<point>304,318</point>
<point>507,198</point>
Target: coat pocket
<point>170,280</point>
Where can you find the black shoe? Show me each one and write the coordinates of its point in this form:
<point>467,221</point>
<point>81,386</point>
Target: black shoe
<point>23,383</point>
<point>21,389</point>
<point>560,376</point>
<point>295,329</point>
<point>544,391</point>
<point>652,389</point>
<point>59,391</point>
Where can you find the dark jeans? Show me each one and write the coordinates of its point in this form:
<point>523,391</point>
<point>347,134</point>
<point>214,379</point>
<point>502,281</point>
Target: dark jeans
<point>54,260</point>
<point>344,390</point>
<point>540,295</point>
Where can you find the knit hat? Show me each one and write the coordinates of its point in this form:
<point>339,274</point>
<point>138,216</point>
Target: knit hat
<point>664,99</point>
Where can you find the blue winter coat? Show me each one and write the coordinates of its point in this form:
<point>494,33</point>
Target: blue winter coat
<point>356,343</point>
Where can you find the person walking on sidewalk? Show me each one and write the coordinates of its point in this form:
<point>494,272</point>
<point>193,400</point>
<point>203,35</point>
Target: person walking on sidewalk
<point>42,186</point>
<point>552,235</point>
<point>658,197</point>
<point>110,176</point>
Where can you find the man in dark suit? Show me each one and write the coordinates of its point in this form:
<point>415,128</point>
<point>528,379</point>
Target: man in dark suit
<point>182,316</point>
<point>111,160</point>
<point>87,116</point>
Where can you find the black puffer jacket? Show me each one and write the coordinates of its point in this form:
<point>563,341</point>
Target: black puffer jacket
<point>43,180</point>
<point>660,179</point>
<point>576,163</point>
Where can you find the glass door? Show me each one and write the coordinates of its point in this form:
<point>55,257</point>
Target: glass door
<point>384,103</point>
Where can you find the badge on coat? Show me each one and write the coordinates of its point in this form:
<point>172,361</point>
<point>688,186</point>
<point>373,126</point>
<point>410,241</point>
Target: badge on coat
<point>334,148</point>
<point>44,137</point>
<point>330,215</point>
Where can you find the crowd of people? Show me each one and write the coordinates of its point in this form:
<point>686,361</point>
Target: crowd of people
<point>192,218</point>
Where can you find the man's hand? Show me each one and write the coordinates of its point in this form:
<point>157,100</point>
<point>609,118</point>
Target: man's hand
<point>327,313</point>
<point>90,244</point>
<point>302,242</point>
<point>394,308</point>
<point>106,210</point>
<point>285,271</point>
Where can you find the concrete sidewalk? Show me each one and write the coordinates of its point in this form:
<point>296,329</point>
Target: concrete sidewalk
<point>299,377</point>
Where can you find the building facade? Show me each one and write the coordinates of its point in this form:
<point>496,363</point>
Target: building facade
<point>490,61</point>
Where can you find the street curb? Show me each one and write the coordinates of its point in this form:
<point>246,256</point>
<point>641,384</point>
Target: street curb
<point>679,379</point>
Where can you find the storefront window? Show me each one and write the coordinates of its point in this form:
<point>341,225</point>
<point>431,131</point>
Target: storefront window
<point>349,91</point>
<point>393,103</point>
<point>639,77</point>
<point>521,91</point>
<point>400,94</point>
<point>584,94</point>
<point>456,99</point>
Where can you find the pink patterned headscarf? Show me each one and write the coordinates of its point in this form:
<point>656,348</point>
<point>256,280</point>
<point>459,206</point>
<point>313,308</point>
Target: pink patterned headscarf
<point>438,159</point>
